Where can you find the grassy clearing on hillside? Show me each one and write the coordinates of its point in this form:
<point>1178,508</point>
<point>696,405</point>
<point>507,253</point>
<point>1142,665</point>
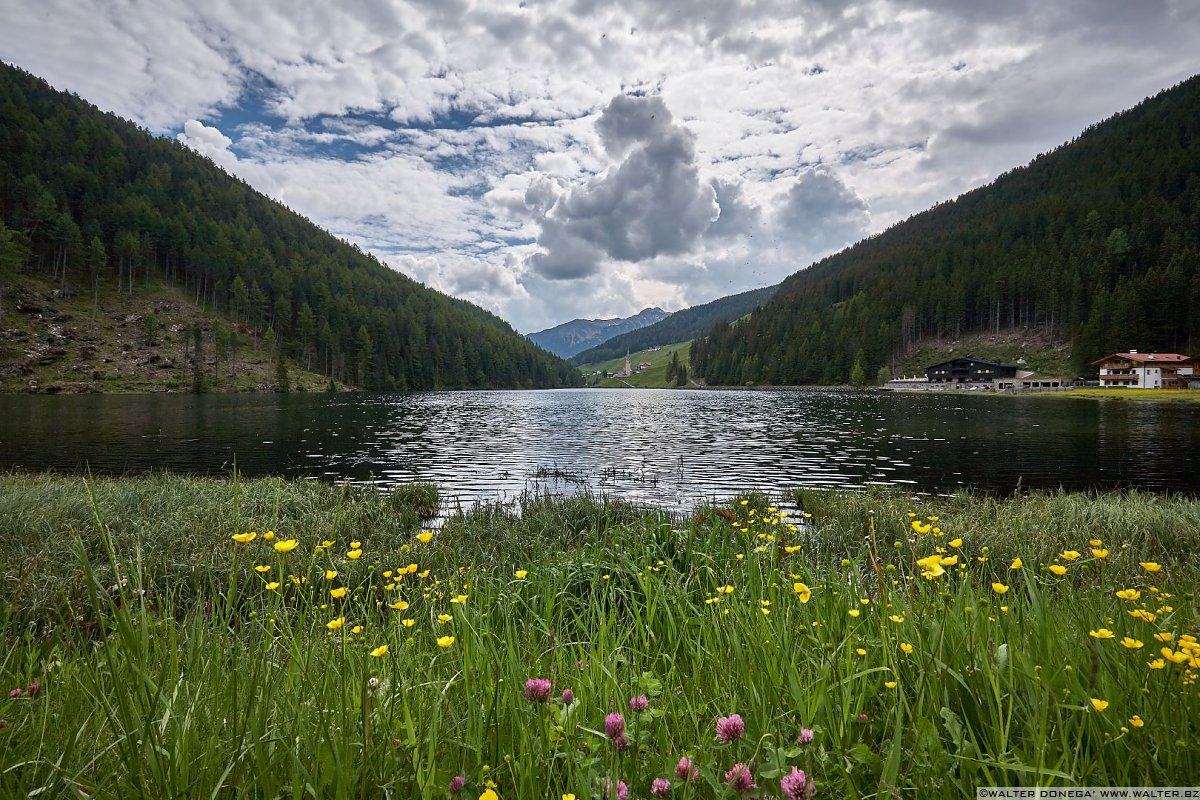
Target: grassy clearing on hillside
<point>1046,358</point>
<point>127,343</point>
<point>883,648</point>
<point>655,377</point>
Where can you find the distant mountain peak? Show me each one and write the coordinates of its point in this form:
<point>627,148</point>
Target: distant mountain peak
<point>573,337</point>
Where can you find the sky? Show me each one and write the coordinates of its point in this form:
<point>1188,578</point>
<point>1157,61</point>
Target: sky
<point>553,160</point>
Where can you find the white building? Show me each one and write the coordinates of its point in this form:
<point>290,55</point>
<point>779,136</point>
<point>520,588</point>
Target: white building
<point>1136,370</point>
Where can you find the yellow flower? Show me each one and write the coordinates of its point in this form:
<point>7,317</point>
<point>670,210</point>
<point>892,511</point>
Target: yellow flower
<point>399,605</point>
<point>330,574</point>
<point>273,585</point>
<point>896,618</point>
<point>906,647</point>
<point>1130,642</point>
<point>1143,614</point>
<point>920,527</point>
<point>1150,566</point>
<point>1099,705</point>
<point>1016,563</point>
<point>931,566</point>
<point>726,589</point>
<point>338,593</point>
<point>445,641</point>
<point>334,624</point>
<point>262,568</point>
<point>410,569</point>
<point>955,543</point>
<point>520,574</point>
<point>354,555</point>
<point>423,573</point>
<point>285,546</point>
<point>1099,552</point>
<point>488,793</point>
<point>1058,569</point>
<point>1174,656</point>
<point>860,651</point>
<point>803,593</point>
<point>242,538</point>
<point>1157,663</point>
<point>890,684</point>
<point>425,537</point>
<point>355,545</point>
<point>568,796</point>
<point>1164,636</point>
<point>1136,721</point>
<point>854,612</point>
<point>999,588</point>
<point>444,618</point>
<point>460,599</point>
<point>268,536</point>
<point>949,561</point>
<point>1096,543</point>
<point>408,623</point>
<point>1129,594</point>
<point>328,543</point>
<point>1103,633</point>
<point>357,629</point>
<point>791,548</point>
<point>380,651</point>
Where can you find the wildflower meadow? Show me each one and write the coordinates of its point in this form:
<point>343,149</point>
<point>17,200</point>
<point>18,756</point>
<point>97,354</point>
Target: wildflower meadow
<point>183,637</point>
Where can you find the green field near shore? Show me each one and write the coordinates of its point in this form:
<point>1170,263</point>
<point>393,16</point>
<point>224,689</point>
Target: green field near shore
<point>182,637</point>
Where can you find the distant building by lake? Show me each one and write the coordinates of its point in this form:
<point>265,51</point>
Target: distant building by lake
<point>1136,370</point>
<point>968,369</point>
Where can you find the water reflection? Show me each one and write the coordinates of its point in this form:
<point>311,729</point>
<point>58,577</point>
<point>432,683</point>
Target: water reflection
<point>664,447</point>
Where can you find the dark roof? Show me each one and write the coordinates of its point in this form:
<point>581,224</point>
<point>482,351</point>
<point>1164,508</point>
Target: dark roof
<point>975,360</point>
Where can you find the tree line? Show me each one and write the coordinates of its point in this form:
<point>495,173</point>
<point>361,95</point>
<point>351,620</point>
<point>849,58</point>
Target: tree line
<point>90,199</point>
<point>1096,243</point>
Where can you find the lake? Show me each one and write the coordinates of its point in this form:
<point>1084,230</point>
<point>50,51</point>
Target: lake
<point>666,447</point>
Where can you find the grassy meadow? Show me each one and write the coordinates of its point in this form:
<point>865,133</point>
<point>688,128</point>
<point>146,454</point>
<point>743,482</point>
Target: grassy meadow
<point>654,377</point>
<point>180,637</point>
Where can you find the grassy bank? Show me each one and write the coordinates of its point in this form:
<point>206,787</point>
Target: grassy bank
<point>1154,395</point>
<point>153,655</point>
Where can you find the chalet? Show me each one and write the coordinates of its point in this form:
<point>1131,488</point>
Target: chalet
<point>1136,370</point>
<point>968,369</point>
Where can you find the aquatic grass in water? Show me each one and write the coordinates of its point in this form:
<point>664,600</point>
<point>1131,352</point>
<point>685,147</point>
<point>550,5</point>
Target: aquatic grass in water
<point>883,646</point>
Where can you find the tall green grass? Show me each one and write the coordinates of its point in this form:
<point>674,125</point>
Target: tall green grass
<point>191,677</point>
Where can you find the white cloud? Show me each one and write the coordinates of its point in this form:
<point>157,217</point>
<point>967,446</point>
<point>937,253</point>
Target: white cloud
<point>474,143</point>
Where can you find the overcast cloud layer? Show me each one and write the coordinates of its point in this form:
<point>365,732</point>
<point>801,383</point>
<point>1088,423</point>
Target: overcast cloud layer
<point>550,160</point>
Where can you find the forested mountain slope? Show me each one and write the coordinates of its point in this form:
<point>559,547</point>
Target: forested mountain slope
<point>1097,242</point>
<point>88,198</point>
<point>682,326</point>
<point>569,338</point>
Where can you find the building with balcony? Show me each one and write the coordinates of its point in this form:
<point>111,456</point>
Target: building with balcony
<point>1136,370</point>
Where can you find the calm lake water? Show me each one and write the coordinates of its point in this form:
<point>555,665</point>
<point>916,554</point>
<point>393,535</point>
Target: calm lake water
<point>666,447</point>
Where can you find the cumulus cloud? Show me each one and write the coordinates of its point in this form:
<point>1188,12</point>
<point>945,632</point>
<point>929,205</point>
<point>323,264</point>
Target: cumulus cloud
<point>739,216</point>
<point>208,141</point>
<point>497,148</point>
<point>821,213</point>
<point>651,203</point>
